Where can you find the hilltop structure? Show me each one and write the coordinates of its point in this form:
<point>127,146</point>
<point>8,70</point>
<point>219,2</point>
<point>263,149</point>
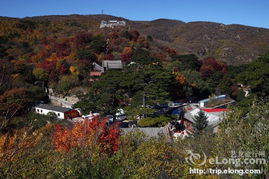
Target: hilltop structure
<point>112,23</point>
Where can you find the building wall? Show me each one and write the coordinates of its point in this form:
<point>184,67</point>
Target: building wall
<point>112,23</point>
<point>202,104</point>
<point>112,64</point>
<point>97,67</point>
<point>60,115</point>
<point>71,114</point>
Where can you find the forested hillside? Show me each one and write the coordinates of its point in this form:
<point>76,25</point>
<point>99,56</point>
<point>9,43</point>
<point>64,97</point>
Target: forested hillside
<point>234,44</point>
<point>58,52</point>
<point>163,61</point>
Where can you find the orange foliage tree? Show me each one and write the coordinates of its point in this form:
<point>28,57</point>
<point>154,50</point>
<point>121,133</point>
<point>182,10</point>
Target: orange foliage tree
<point>50,67</point>
<point>127,54</point>
<point>21,140</point>
<point>88,134</point>
<point>180,78</point>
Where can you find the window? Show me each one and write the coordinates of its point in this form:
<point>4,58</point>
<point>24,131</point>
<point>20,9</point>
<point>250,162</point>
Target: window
<point>58,114</point>
<point>37,110</point>
<point>41,110</point>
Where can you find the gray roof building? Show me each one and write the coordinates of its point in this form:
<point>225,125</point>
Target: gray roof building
<point>53,108</point>
<point>112,64</point>
<point>149,131</point>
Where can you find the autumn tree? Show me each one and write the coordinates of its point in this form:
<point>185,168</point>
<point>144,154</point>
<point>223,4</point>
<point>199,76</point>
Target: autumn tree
<point>126,54</point>
<point>82,39</point>
<point>62,49</point>
<point>210,65</point>
<point>41,75</point>
<point>88,134</point>
<point>50,68</point>
<point>134,35</point>
<point>180,78</point>
<point>151,158</point>
<point>67,82</point>
<point>62,66</point>
<point>109,56</point>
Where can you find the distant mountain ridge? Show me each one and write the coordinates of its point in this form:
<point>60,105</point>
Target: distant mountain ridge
<point>234,44</point>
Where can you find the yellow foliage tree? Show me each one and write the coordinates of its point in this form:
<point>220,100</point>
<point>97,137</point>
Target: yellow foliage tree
<point>74,70</point>
<point>181,78</point>
<point>20,141</point>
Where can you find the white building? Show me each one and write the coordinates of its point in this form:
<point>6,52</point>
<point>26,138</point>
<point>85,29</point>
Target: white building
<point>214,116</point>
<point>112,23</point>
<point>60,112</point>
<point>97,67</point>
<point>112,64</point>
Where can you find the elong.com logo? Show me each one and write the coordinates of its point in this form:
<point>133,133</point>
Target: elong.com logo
<point>197,159</point>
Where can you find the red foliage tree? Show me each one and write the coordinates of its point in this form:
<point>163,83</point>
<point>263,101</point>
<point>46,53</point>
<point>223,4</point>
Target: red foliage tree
<point>134,35</point>
<point>88,133</point>
<point>50,68</point>
<point>210,65</point>
<point>113,35</point>
<point>63,69</point>
<point>83,39</point>
<point>62,49</point>
<point>109,56</point>
<point>127,54</point>
<point>160,56</point>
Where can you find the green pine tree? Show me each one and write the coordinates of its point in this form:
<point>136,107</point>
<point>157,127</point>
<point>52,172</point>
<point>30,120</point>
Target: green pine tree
<point>200,122</point>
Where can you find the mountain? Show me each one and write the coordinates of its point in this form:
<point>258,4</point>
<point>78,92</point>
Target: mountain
<point>234,44</point>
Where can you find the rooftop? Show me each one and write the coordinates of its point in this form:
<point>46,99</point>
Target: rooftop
<point>215,97</point>
<point>112,64</point>
<point>216,101</point>
<point>148,131</point>
<point>52,108</point>
<point>95,73</point>
<point>214,117</point>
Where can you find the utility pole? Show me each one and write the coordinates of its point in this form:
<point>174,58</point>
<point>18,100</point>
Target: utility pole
<point>144,103</point>
<point>144,99</point>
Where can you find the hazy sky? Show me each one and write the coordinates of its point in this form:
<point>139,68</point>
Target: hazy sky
<point>247,12</point>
